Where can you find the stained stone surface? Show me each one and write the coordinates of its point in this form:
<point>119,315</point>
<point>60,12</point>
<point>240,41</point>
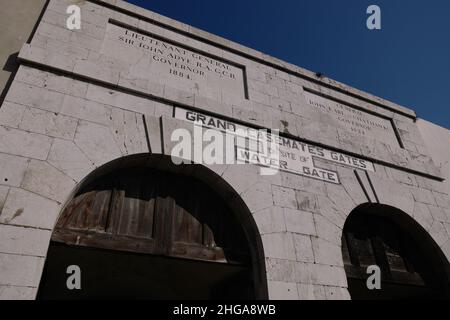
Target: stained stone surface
<point>434,136</point>
<point>83,98</point>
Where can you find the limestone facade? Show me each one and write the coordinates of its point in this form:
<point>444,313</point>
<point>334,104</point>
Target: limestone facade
<point>83,98</point>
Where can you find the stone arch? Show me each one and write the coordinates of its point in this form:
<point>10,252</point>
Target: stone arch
<point>412,263</point>
<point>208,178</point>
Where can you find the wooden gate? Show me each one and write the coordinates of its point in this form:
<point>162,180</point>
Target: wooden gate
<point>410,262</point>
<point>153,212</point>
<point>145,213</point>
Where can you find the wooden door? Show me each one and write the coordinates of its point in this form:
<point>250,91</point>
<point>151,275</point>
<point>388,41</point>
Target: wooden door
<point>154,212</point>
<point>408,268</point>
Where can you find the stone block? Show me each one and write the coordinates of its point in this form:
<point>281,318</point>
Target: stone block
<point>25,144</point>
<point>262,87</point>
<point>17,293</point>
<point>298,182</point>
<point>438,213</point>
<point>53,17</point>
<point>32,76</point>
<point>303,248</point>
<point>422,215</point>
<point>255,73</point>
<point>85,41</point>
<point>24,241</point>
<point>305,291</point>
<point>162,109</point>
<point>279,246</point>
<point>306,201</point>
<point>394,194</point>
<point>282,290</point>
<point>65,50</point>
<point>213,106</point>
<point>96,142</point>
<point>280,104</point>
<point>305,273</point>
<point>299,221</point>
<point>25,208</point>
<point>19,270</point>
<point>12,169</point>
<point>93,70</point>
<point>120,100</point>
<point>67,157</point>
<point>352,186</point>
<point>280,270</point>
<point>46,180</point>
<point>332,211</point>
<point>4,190</point>
<point>423,195</point>
<point>330,275</point>
<point>36,97</point>
<point>242,177</point>
<point>331,293</point>
<point>53,31</point>
<point>48,123</point>
<point>11,114</point>
<point>438,232</point>
<point>401,176</point>
<point>128,131</point>
<point>340,198</point>
<point>327,230</point>
<point>86,110</point>
<point>183,97</point>
<point>284,197</point>
<point>326,252</point>
<point>441,199</point>
<point>258,196</point>
<point>51,81</point>
<point>275,81</point>
<point>54,59</point>
<point>270,220</point>
<point>430,184</point>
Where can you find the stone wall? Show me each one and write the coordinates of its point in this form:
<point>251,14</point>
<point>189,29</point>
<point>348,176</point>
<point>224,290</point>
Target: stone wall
<point>435,138</point>
<point>83,98</point>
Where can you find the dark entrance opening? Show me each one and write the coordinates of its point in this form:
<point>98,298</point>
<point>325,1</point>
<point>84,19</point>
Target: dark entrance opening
<point>412,265</point>
<point>110,274</point>
<point>143,233</point>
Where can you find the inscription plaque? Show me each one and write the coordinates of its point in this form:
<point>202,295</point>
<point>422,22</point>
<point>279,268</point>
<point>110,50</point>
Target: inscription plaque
<point>165,62</point>
<point>294,156</point>
<point>353,120</point>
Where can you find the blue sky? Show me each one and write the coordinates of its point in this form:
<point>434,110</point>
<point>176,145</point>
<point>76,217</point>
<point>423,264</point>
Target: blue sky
<point>407,61</point>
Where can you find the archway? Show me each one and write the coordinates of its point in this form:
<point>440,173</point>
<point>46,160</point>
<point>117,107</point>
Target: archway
<point>141,227</point>
<point>412,265</point>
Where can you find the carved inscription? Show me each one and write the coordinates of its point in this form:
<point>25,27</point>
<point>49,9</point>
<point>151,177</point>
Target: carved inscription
<point>294,156</point>
<point>353,120</point>
<point>174,65</point>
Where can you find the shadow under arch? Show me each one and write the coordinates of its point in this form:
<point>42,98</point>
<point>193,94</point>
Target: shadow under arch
<point>412,264</point>
<point>161,167</point>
